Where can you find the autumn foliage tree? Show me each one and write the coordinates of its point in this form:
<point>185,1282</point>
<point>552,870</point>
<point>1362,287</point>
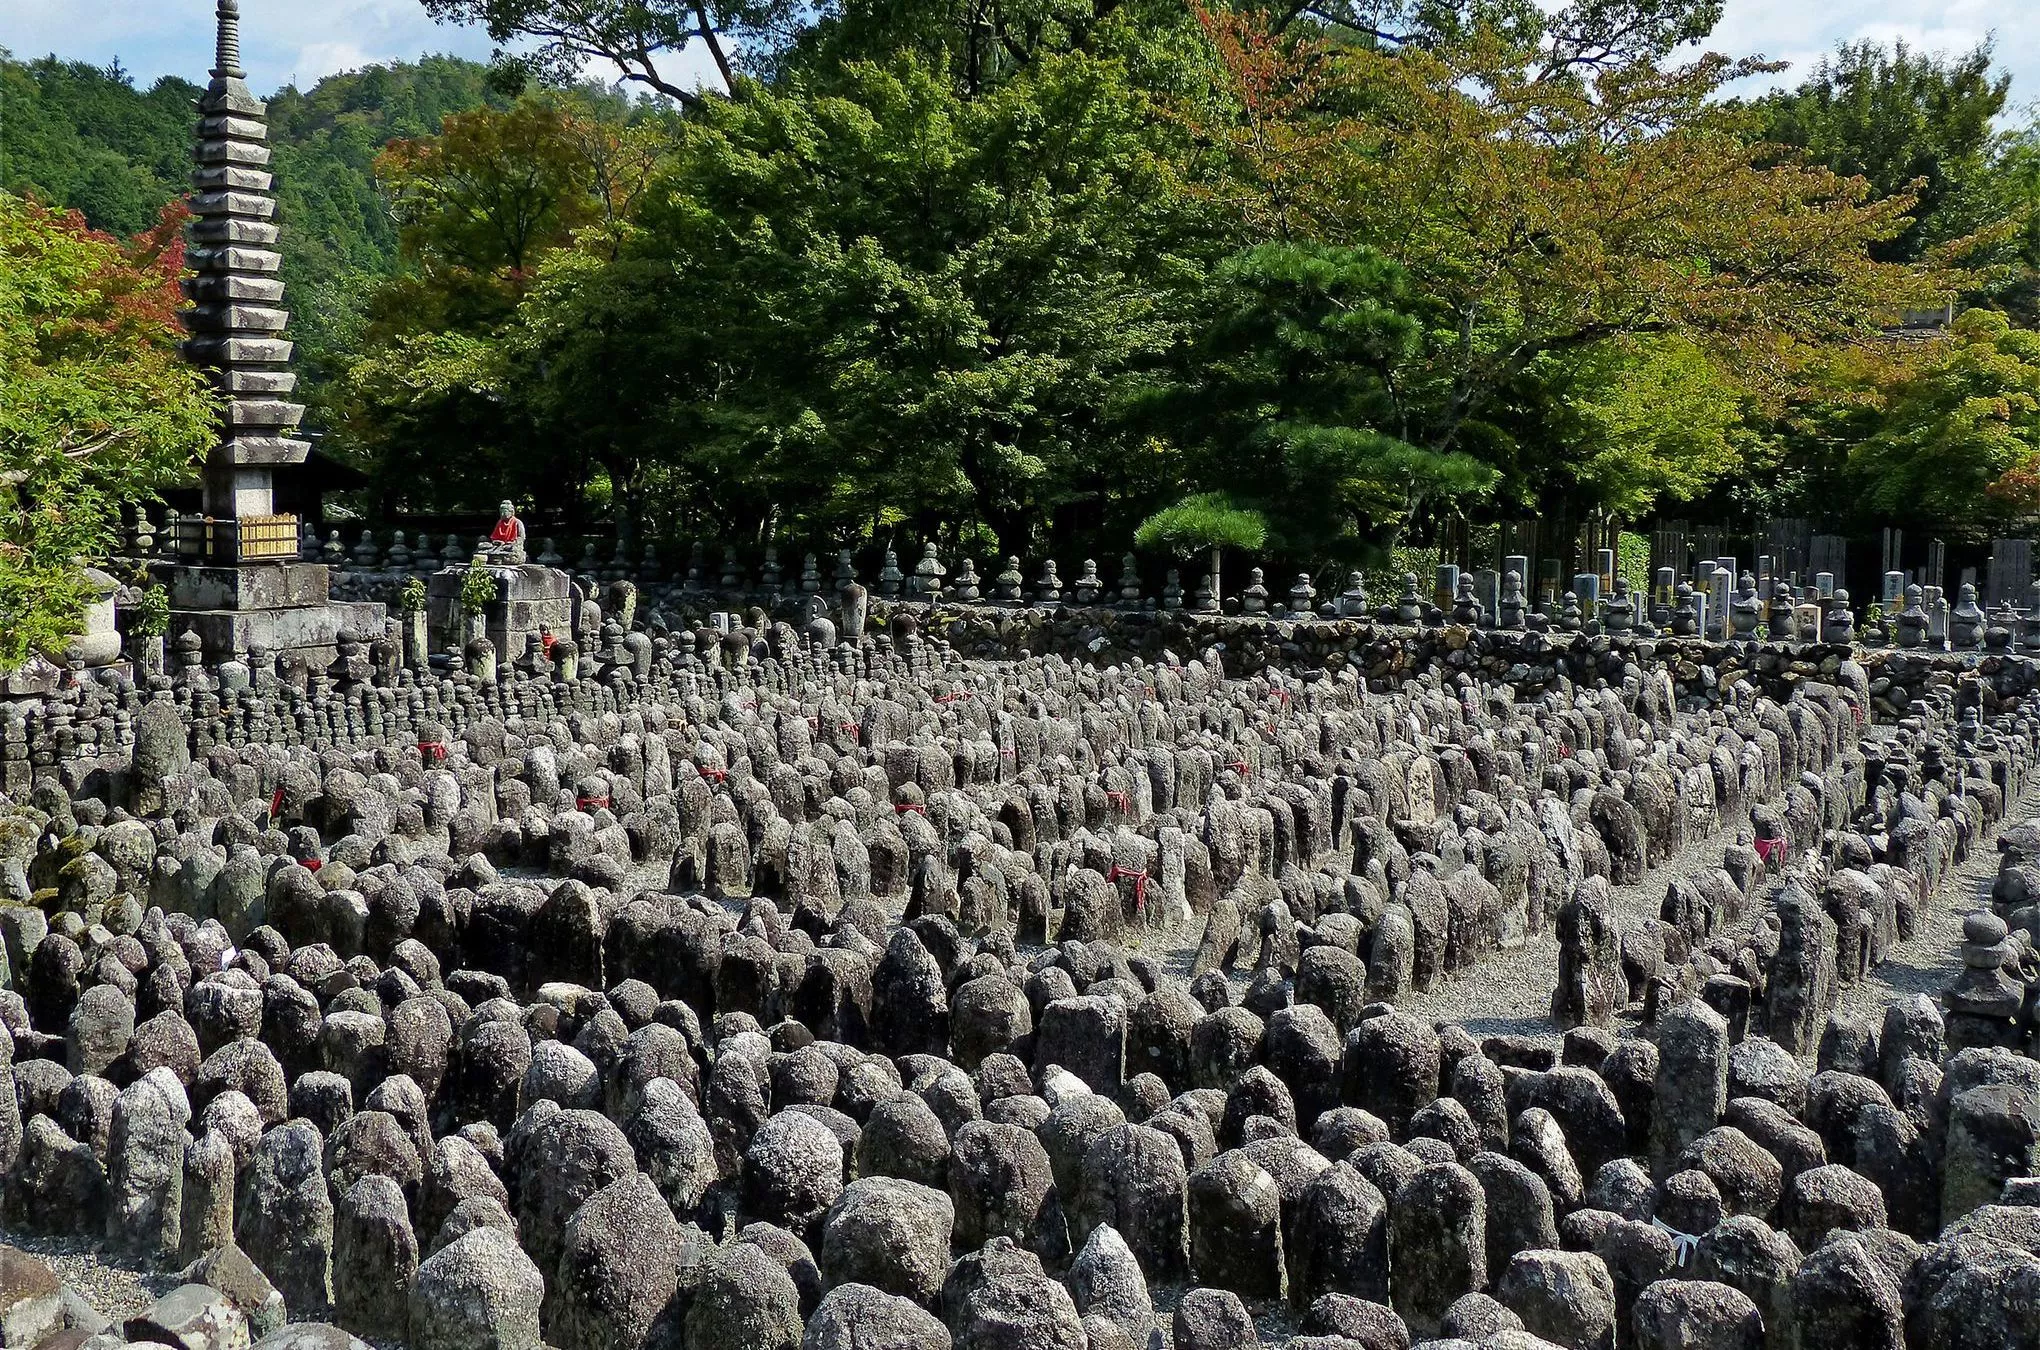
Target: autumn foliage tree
<point>426,405</point>
<point>97,408</point>
<point>1549,210</point>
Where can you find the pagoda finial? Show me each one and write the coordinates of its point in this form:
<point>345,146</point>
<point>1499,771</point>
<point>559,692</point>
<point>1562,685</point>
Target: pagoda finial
<point>228,66</point>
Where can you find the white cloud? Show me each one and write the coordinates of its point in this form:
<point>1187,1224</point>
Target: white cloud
<point>281,39</point>
<point>1802,33</point>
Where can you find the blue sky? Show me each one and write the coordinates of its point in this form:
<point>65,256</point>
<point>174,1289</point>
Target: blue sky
<point>303,40</point>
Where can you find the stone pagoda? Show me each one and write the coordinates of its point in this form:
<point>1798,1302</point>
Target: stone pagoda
<point>240,583</point>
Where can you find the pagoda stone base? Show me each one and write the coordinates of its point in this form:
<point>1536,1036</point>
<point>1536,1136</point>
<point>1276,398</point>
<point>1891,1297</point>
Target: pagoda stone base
<point>280,607</point>
<point>250,586</point>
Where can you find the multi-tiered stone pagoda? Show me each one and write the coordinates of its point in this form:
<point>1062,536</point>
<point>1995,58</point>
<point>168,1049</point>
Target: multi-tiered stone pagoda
<point>241,584</point>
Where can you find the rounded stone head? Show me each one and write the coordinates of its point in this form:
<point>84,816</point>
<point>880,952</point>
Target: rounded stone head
<point>506,510</point>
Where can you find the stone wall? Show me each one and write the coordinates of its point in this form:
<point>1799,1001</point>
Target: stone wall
<point>88,725</point>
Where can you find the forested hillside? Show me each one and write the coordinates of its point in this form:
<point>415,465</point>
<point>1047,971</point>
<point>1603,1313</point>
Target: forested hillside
<point>84,137</point>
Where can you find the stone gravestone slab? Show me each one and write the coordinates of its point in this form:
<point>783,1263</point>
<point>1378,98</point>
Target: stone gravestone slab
<point>1445,588</point>
<point>1828,553</point>
<point>1718,587</point>
<point>1487,588</point>
<point>2011,572</point>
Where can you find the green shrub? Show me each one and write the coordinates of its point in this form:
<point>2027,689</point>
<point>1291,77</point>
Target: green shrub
<point>477,588</point>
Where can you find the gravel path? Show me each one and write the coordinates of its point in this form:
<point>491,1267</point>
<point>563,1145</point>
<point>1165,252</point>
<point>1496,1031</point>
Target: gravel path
<point>1929,961</point>
<point>1509,992</point>
<point>118,1286</point>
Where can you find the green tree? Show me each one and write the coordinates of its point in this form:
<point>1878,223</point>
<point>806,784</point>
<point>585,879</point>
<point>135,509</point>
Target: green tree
<point>82,137</point>
<point>97,408</point>
<point>1544,206</point>
<point>1638,422</point>
<point>1910,124</point>
<point>878,303</point>
<point>638,38</point>
<point>1292,400</point>
<point>1958,443</point>
<point>433,404</point>
<point>1206,522</point>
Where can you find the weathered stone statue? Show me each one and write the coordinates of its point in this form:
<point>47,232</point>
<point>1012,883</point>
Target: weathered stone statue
<point>1965,622</point>
<point>1783,623</point>
<point>1621,608</point>
<point>1254,599</point>
<point>1465,608</point>
<point>1840,624</point>
<point>1685,612</point>
<point>1353,602</point>
<point>1744,611</point>
<point>1410,608</point>
<point>1509,611</point>
<point>1912,620</point>
<point>1569,613</point>
<point>506,540</point>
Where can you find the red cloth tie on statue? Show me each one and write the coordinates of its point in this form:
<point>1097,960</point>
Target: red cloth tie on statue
<point>901,808</point>
<point>714,775</point>
<point>1119,801</point>
<point>590,803</point>
<point>1770,850</point>
<point>505,532</point>
<point>1139,880</point>
<point>432,751</point>
<point>276,806</point>
<point>311,864</point>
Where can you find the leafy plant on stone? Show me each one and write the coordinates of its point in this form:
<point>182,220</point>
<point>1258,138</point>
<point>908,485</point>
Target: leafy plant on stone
<point>150,612</point>
<point>477,588</point>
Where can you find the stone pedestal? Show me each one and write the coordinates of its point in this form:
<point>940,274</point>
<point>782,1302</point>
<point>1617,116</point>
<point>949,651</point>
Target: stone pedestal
<point>528,598</point>
<point>98,644</point>
<point>282,607</point>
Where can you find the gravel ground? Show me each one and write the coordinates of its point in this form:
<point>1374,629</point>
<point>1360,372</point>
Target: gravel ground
<point>1509,992</point>
<point>118,1286</point>
<point>1929,961</point>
